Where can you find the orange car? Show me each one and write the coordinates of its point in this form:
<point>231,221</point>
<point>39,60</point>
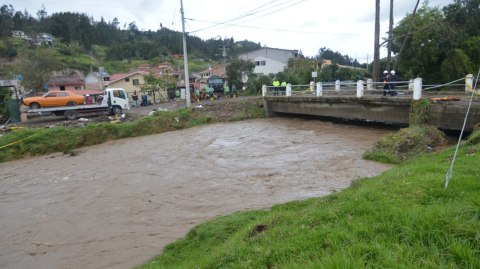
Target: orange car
<point>54,98</point>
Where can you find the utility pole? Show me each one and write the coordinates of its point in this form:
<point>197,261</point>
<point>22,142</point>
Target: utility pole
<point>390,26</point>
<point>376,54</point>
<point>185,60</point>
<point>224,55</point>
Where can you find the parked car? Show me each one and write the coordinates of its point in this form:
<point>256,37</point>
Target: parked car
<point>54,98</point>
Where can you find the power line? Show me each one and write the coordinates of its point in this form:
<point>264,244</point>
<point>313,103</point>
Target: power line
<point>250,13</point>
<point>69,3</point>
<point>281,30</point>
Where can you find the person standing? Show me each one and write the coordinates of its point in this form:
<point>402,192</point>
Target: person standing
<point>392,79</point>
<point>135,98</point>
<point>234,91</point>
<point>284,87</point>
<point>144,99</point>
<point>276,83</point>
<point>207,92</point>
<point>177,94</point>
<point>386,86</point>
<point>227,91</point>
<point>89,99</point>
<point>198,95</point>
<point>211,94</point>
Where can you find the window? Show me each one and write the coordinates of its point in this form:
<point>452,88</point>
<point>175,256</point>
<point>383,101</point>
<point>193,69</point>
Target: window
<point>257,63</point>
<point>107,79</point>
<point>51,94</point>
<point>119,94</point>
<point>263,63</point>
<point>62,88</point>
<point>78,88</point>
<point>127,80</point>
<point>136,82</point>
<point>62,94</point>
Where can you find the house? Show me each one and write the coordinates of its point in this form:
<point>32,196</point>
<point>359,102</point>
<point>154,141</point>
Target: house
<point>97,80</point>
<point>66,83</point>
<point>269,60</point>
<point>18,33</point>
<point>130,81</point>
<point>178,56</point>
<point>44,38</point>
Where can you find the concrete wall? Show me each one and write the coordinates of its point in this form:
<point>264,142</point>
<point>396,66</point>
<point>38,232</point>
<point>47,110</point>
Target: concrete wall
<point>447,115</point>
<point>396,111</point>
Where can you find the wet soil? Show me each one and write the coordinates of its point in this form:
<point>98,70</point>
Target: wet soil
<point>116,205</point>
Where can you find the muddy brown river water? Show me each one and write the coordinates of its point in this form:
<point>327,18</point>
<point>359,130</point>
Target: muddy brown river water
<point>116,205</point>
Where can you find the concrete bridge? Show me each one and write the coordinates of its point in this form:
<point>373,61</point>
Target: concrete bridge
<point>370,105</point>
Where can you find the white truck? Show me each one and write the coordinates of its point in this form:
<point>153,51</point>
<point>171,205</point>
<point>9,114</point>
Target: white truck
<point>114,101</point>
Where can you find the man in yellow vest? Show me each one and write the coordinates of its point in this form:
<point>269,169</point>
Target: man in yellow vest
<point>284,87</point>
<point>276,83</point>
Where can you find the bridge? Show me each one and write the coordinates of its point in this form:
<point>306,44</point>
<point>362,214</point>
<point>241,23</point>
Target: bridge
<point>346,101</point>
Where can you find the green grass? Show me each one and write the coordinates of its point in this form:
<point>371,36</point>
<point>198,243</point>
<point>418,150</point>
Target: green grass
<point>61,139</point>
<point>401,219</point>
<point>401,146</point>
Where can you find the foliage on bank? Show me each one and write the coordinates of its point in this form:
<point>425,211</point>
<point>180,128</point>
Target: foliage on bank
<point>401,219</point>
<point>61,139</point>
<point>401,146</point>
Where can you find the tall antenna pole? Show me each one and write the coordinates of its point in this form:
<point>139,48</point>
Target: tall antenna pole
<point>187,81</point>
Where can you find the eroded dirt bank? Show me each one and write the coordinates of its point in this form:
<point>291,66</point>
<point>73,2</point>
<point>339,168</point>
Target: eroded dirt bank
<point>117,204</point>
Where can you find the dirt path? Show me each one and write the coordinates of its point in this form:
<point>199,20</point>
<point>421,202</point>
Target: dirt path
<point>116,205</point>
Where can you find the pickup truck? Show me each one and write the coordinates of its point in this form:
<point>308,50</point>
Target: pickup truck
<point>114,101</point>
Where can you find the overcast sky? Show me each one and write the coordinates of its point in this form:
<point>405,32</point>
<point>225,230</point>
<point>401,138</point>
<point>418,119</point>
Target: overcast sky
<point>346,26</point>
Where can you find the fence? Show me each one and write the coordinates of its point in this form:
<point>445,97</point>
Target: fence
<point>413,86</point>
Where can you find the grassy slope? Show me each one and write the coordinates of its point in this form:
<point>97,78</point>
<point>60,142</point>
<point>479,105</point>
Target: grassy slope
<point>401,219</point>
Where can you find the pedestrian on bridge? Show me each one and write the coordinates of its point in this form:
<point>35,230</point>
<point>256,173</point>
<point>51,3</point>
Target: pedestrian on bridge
<point>392,79</point>
<point>386,86</point>
<point>144,99</point>
<point>284,87</point>
<point>276,83</point>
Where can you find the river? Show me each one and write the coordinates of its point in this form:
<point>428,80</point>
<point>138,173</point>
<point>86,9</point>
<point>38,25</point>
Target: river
<point>116,205</point>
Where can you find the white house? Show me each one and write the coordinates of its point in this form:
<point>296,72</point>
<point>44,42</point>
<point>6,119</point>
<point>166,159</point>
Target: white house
<point>269,60</point>
<point>19,34</point>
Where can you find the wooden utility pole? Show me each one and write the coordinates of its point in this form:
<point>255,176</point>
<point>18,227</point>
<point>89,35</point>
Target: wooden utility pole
<point>406,37</point>
<point>376,54</point>
<point>390,36</point>
<point>185,60</point>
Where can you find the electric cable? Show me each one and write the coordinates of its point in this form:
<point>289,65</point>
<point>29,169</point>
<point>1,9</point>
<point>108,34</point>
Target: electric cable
<point>449,174</point>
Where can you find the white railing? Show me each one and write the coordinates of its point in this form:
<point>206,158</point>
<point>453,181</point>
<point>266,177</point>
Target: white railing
<point>414,86</point>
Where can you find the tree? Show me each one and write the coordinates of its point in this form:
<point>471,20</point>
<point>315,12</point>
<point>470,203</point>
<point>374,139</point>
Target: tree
<point>155,83</point>
<point>36,67</point>
<point>237,70</point>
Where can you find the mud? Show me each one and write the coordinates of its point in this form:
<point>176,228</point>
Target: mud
<point>116,205</point>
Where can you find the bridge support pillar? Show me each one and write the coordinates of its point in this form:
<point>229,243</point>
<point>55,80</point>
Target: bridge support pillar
<point>312,86</point>
<point>264,90</point>
<point>360,89</point>
<point>469,81</point>
<point>319,89</point>
<point>337,85</point>
<point>369,84</point>
<point>417,89</point>
<point>289,89</point>
<point>411,85</point>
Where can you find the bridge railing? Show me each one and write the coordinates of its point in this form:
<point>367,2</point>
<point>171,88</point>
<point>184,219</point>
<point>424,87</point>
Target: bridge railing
<point>361,88</point>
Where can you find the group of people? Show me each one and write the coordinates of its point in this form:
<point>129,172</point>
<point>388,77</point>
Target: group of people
<point>276,85</point>
<point>144,99</point>
<point>389,83</point>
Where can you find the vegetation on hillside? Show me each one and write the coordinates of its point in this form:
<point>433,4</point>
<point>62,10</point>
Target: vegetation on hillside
<point>403,218</point>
